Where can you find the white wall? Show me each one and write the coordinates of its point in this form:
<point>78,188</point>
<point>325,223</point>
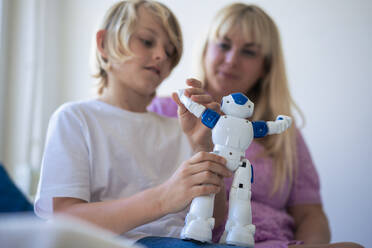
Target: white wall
<point>3,86</point>
<point>17,83</point>
<point>327,46</point>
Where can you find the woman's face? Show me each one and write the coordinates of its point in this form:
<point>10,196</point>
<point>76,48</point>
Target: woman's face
<point>232,64</point>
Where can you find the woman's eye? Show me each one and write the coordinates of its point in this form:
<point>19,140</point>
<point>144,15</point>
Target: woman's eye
<point>224,46</point>
<point>249,53</point>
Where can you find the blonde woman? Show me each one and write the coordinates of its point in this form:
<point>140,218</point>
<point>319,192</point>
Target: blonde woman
<point>242,53</point>
<point>110,162</point>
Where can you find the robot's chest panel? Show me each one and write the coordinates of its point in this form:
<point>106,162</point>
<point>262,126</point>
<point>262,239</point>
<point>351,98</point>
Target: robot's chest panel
<point>233,132</point>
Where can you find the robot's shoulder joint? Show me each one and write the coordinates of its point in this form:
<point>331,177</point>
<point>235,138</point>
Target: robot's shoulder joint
<point>260,129</point>
<point>210,118</point>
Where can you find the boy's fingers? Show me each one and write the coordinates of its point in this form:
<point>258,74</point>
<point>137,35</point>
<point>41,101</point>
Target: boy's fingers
<point>206,178</point>
<point>207,156</point>
<point>205,189</point>
<point>211,167</point>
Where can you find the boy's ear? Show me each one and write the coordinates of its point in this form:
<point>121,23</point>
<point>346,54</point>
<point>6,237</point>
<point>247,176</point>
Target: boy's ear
<point>100,37</point>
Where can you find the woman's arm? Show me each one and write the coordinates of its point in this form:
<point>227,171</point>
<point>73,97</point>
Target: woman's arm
<point>311,224</point>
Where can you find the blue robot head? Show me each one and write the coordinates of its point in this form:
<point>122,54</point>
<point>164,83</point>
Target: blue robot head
<point>238,105</point>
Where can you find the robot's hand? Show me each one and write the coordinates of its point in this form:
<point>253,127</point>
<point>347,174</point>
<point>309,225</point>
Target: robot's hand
<point>281,124</point>
<point>195,108</point>
<point>284,119</point>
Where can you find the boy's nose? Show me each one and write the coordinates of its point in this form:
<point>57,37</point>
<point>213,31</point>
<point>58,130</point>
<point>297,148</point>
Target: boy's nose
<point>160,53</point>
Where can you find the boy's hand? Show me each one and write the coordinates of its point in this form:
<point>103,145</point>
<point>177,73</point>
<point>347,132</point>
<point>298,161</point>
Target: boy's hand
<point>200,137</point>
<point>201,175</point>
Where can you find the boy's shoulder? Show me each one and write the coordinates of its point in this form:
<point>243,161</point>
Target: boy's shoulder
<point>75,108</point>
<point>78,105</point>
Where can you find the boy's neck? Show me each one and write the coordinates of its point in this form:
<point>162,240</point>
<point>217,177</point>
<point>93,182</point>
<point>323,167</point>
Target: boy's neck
<point>126,99</point>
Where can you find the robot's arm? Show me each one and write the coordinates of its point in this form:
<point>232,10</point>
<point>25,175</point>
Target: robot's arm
<point>208,116</point>
<point>281,124</point>
<point>261,128</point>
<point>194,108</point>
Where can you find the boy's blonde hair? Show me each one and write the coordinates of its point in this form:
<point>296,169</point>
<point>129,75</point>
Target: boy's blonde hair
<point>120,22</point>
<point>271,93</point>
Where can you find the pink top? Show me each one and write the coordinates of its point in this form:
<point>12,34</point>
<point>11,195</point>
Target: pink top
<point>274,226</point>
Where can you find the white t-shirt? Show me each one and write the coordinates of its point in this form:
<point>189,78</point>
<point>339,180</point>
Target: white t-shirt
<point>97,152</point>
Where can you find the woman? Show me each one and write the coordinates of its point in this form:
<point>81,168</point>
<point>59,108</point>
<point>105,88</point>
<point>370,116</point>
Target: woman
<point>242,53</point>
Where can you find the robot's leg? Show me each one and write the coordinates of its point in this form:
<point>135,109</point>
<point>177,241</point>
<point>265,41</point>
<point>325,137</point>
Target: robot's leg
<point>199,221</point>
<point>239,229</point>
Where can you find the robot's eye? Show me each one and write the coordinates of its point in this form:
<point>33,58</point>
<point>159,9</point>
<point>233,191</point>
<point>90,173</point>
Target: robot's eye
<point>227,101</point>
<point>249,106</point>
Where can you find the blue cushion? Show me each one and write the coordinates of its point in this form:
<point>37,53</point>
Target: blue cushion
<point>11,198</point>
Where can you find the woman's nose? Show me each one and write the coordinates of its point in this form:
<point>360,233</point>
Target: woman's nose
<point>231,57</point>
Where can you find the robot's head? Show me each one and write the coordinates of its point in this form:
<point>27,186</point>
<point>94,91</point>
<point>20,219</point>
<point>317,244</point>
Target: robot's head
<point>238,105</point>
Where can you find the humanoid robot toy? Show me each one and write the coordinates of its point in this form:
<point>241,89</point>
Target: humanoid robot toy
<point>232,134</point>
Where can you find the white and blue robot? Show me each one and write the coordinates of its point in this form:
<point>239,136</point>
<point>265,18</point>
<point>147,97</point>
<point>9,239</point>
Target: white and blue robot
<point>232,134</point>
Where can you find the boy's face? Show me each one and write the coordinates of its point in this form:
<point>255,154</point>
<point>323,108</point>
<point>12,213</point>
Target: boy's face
<point>152,61</point>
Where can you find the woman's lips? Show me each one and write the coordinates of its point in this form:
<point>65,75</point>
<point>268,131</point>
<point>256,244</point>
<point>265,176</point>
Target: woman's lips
<point>227,75</point>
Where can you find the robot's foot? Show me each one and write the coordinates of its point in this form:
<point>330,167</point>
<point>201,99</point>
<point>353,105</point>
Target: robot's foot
<point>241,236</point>
<point>199,230</point>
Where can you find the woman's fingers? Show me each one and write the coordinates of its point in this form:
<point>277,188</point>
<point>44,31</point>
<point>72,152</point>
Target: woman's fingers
<point>215,106</point>
<point>194,91</point>
<point>202,99</point>
<point>198,95</point>
<point>176,98</point>
<point>181,108</point>
<point>193,83</point>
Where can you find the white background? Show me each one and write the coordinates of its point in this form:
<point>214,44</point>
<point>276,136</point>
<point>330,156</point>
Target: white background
<point>327,47</point>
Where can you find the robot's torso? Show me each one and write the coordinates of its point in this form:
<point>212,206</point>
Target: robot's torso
<point>231,137</point>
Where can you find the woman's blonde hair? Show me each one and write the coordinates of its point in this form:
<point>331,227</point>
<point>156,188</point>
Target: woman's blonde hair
<point>271,93</point>
<point>120,22</point>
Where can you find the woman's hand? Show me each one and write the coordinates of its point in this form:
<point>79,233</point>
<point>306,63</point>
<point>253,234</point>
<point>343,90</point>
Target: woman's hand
<point>201,175</point>
<point>200,136</point>
<point>311,224</point>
